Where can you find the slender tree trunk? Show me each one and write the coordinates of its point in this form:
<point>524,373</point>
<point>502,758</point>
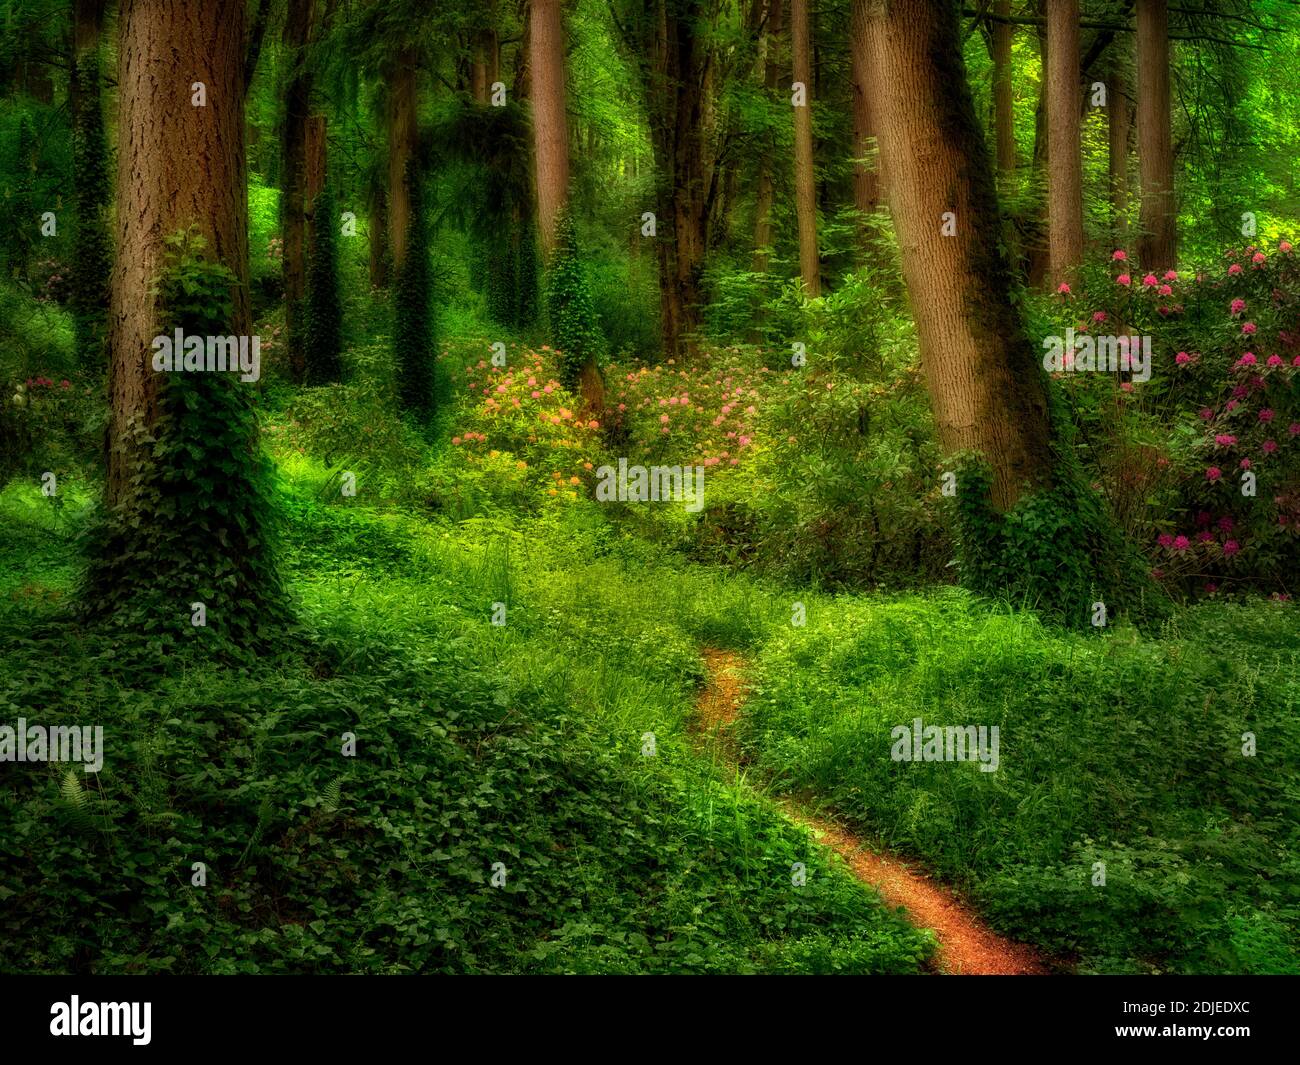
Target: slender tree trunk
<point>1004,119</point>
<point>680,55</point>
<point>1118,131</point>
<point>805,178</point>
<point>1158,243</point>
<point>866,172</point>
<point>160,190</point>
<point>985,382</point>
<point>294,202</point>
<point>550,127</point>
<point>1065,164</point>
<point>401,150</point>
<point>256,35</point>
<point>763,235</point>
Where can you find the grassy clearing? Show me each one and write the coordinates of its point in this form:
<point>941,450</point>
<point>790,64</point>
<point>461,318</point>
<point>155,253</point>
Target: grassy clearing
<point>476,744</point>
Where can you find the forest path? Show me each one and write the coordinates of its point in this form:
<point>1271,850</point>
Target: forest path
<point>967,947</point>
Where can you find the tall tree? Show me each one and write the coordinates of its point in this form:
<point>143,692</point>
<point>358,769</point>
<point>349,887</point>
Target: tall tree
<point>1004,119</point>
<point>550,128</point>
<point>160,133</point>
<point>805,178</point>
<point>402,139</point>
<point>294,196</point>
<point>1065,181</point>
<point>765,190</point>
<point>187,488</point>
<point>572,319</point>
<point>866,171</point>
<point>1158,242</point>
<point>985,383</point>
<point>1118,135</point>
<point>672,48</point>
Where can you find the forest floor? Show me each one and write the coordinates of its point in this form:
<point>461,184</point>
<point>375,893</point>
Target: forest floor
<point>966,946</point>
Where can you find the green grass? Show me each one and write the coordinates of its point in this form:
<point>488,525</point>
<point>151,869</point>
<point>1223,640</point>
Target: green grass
<point>476,744</point>
<point>1117,749</point>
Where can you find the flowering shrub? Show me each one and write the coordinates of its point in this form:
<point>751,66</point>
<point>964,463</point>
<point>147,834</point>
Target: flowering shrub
<point>519,431</point>
<point>1201,462</point>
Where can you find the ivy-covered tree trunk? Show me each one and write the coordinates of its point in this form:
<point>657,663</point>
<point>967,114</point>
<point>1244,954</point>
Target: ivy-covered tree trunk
<point>569,302</point>
<point>188,511</point>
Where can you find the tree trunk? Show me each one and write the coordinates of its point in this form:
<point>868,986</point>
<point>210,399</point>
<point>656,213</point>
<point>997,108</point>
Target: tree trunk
<point>763,235</point>
<point>984,378</point>
<point>293,191</point>
<point>401,149</point>
<point>1158,243</point>
<point>1065,165</point>
<point>805,179</point>
<point>316,165</point>
<point>160,190</point>
<point>1118,127</point>
<point>680,56</point>
<point>1004,119</point>
<point>550,127</point>
<point>866,172</point>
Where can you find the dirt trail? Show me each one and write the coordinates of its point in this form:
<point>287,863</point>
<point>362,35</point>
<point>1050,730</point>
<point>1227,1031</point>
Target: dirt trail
<point>966,946</point>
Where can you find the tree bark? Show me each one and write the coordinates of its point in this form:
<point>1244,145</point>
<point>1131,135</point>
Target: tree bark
<point>1065,164</point>
<point>805,179</point>
<point>1158,243</point>
<point>401,149</point>
<point>317,164</point>
<point>550,126</point>
<point>1118,133</point>
<point>764,195</point>
<point>160,189</point>
<point>1004,119</point>
<point>866,172</point>
<point>984,378</point>
<point>676,71</point>
<point>293,192</point>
